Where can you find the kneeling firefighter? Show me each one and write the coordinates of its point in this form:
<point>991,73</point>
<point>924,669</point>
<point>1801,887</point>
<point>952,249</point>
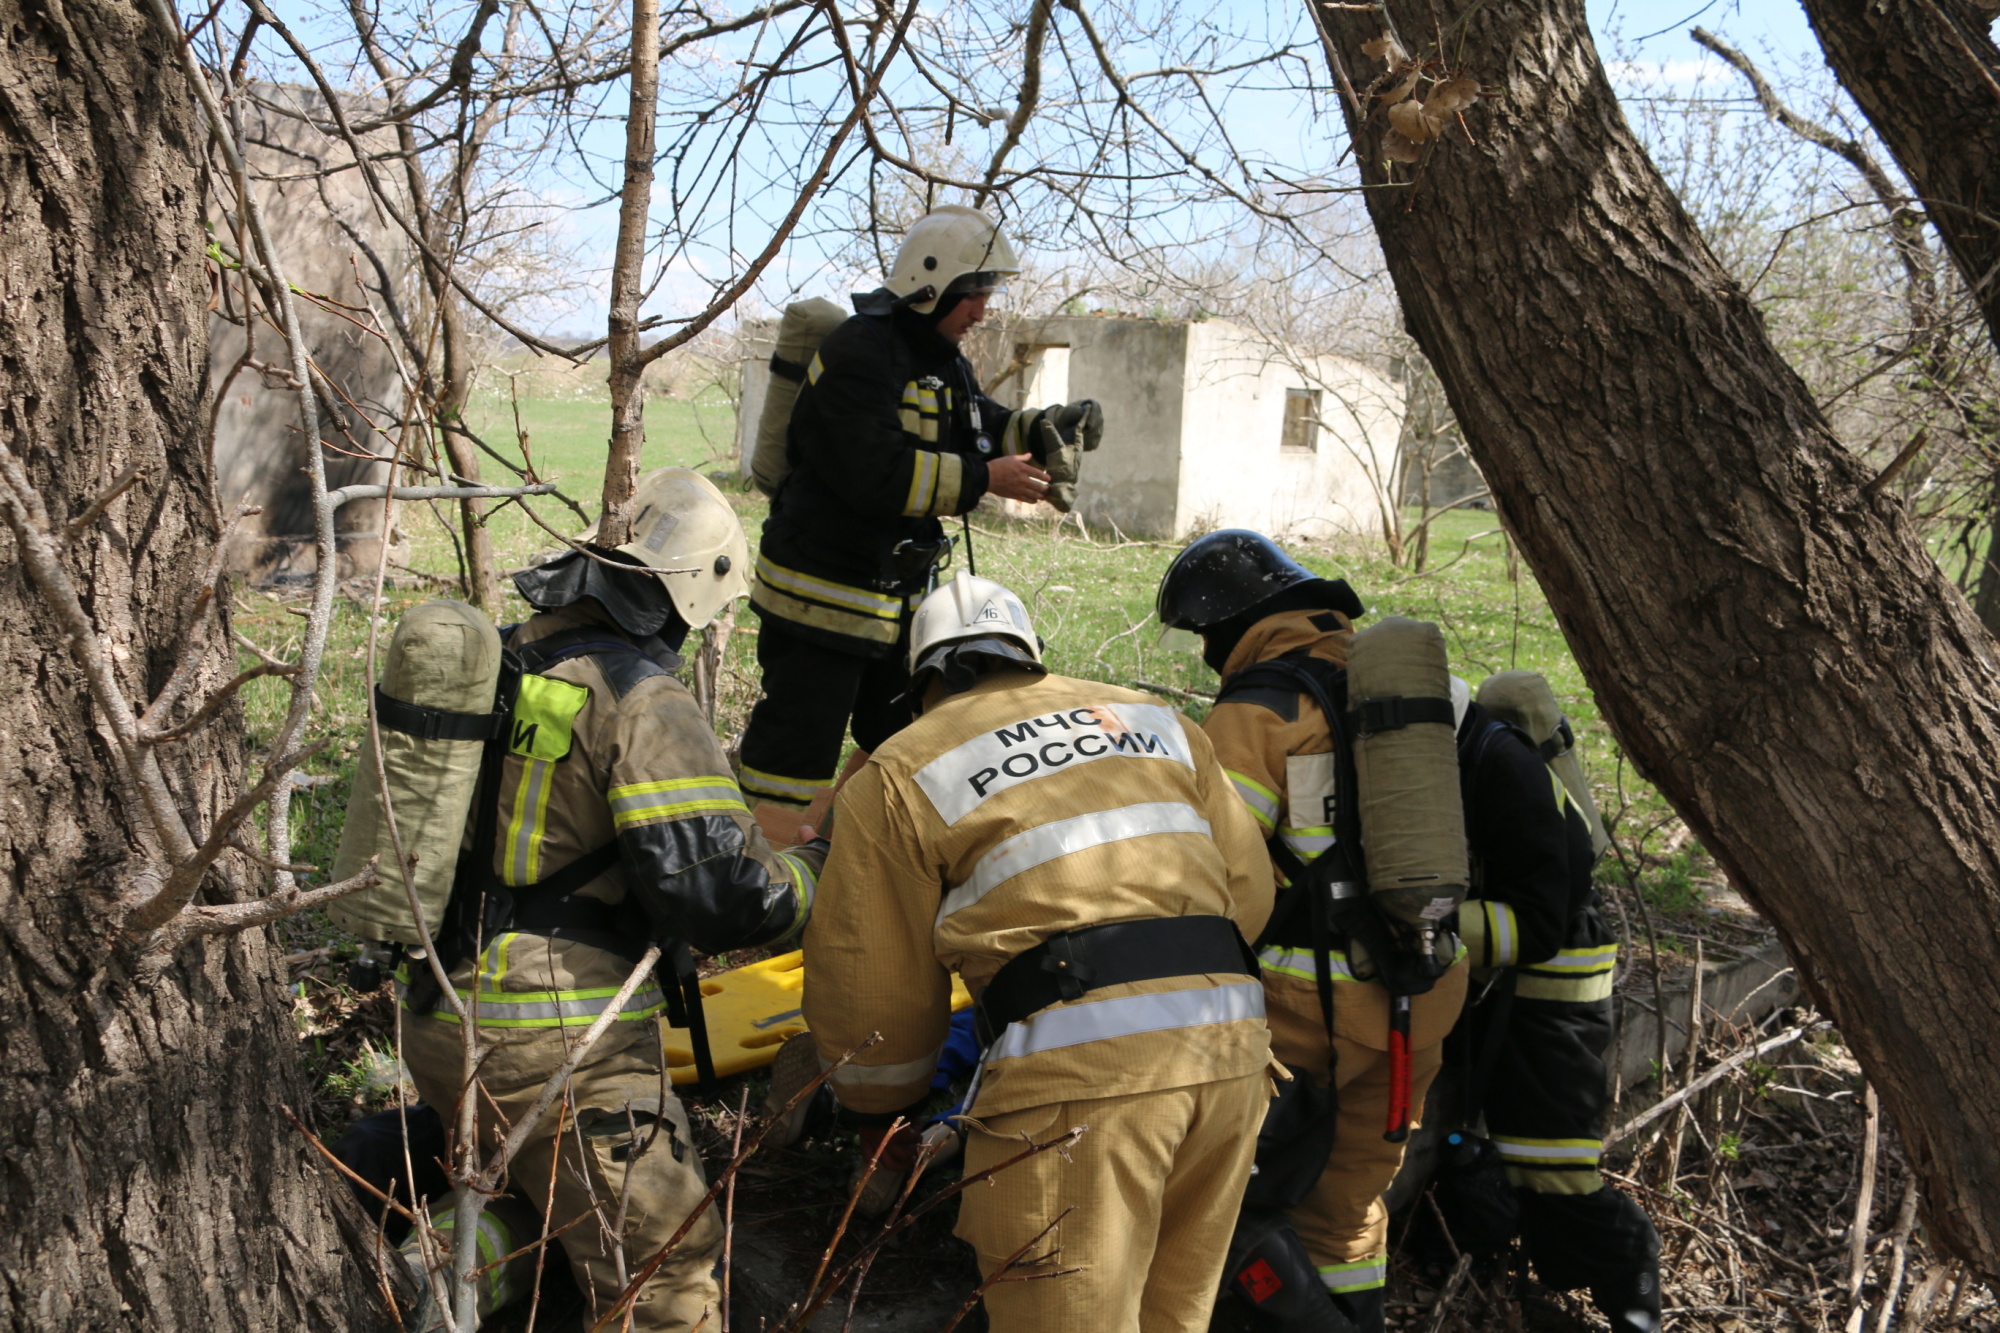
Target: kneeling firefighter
<point>1533,1043</point>
<point>1074,852</point>
<point>605,818</point>
<point>1327,734</point>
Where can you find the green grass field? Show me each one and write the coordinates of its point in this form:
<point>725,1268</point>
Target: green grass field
<point>1091,597</point>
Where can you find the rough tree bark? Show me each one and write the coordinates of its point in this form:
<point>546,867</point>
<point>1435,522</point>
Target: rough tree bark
<point>149,1181</point>
<point>1765,633</point>
<point>1926,73</point>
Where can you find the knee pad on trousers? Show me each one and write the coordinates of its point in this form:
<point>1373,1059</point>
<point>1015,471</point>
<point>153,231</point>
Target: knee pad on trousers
<point>1270,1270</point>
<point>1366,1311</point>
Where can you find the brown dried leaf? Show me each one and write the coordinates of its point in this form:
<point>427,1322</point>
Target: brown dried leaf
<point>1403,89</point>
<point>1385,49</point>
<point>1452,97</point>
<point>1414,122</point>
<point>1398,148</point>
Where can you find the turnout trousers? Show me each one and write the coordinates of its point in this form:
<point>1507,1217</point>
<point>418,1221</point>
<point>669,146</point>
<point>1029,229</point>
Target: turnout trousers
<point>599,1168</point>
<point>1343,1222</point>
<point>791,747</point>
<point>1545,1103</point>
<point>1137,1220</point>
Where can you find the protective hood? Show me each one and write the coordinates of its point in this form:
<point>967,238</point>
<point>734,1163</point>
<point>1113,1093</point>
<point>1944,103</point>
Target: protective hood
<point>960,664</point>
<point>635,601</point>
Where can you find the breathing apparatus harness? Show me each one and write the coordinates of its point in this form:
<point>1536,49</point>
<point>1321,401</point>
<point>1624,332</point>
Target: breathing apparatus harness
<point>480,906</point>
<point>1333,889</point>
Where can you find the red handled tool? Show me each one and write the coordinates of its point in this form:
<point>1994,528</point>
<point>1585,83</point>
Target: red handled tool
<point>1399,1069</point>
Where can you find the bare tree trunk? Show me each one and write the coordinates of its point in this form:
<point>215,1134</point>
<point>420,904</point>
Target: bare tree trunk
<point>628,364</point>
<point>1764,631</point>
<point>1927,75</point>
<point>150,1182</point>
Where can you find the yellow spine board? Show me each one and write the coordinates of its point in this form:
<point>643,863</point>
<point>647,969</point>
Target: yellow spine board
<point>750,1010</point>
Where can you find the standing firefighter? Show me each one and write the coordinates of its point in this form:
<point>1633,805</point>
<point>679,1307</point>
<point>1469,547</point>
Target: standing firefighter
<point>1280,637</point>
<point>613,823</point>
<point>1073,851</point>
<point>889,435</point>
<point>1534,1043</point>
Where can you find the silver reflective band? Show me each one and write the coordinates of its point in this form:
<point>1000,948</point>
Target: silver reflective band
<point>963,777</point>
<point>1040,845</point>
<point>870,1076</point>
<point>1501,917</point>
<point>1128,1016</point>
<point>1574,1149</point>
<point>1355,1277</point>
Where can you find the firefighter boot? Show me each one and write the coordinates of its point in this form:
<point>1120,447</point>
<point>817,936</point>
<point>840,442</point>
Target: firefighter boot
<point>1270,1269</point>
<point>1631,1303</point>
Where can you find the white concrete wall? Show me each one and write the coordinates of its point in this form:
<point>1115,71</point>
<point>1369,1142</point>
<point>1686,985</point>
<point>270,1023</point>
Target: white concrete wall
<point>1234,472</point>
<point>1193,419</point>
<point>1135,369</point>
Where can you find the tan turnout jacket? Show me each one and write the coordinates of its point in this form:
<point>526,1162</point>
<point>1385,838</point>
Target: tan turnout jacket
<point>612,749</point>
<point>1282,767</point>
<point>1019,809</point>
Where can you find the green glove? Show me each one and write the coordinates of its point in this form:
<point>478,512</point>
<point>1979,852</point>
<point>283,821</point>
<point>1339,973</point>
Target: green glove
<point>1059,437</point>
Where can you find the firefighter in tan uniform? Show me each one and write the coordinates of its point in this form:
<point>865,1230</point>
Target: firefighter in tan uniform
<point>1076,854</point>
<point>615,823</point>
<point>1252,604</point>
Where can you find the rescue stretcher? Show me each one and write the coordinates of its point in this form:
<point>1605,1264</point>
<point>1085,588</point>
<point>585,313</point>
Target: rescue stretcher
<point>750,1011</point>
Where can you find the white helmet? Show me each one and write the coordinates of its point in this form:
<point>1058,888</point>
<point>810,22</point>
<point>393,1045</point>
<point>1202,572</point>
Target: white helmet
<point>952,245</point>
<point>971,608</point>
<point>680,521</point>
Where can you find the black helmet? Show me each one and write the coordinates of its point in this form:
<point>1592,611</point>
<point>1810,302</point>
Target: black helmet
<point>1222,576</point>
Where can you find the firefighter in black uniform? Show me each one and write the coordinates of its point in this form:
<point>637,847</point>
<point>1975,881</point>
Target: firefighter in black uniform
<point>1533,1040</point>
<point>890,434</point>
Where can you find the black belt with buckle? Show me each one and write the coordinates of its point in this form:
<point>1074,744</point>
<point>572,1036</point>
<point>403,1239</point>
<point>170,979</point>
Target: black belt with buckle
<point>1067,966</point>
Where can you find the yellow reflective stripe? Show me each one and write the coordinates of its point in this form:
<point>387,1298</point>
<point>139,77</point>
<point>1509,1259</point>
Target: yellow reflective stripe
<point>1529,985</point>
<point>951,481</point>
<point>1308,844</point>
<point>804,883</point>
<point>676,810</point>
<point>849,624</point>
<point>803,789</point>
<point>790,580</point>
<point>1547,1180</point>
<point>815,370</point>
<point>1299,963</point>
<point>644,802</point>
<point>923,483</point>
<point>1263,802</point>
<point>1361,1275</point>
<point>1548,1152</point>
<point>522,862</point>
<point>1588,959</point>
<point>1562,792</point>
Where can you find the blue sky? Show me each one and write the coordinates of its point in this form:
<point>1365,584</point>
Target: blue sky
<point>1642,42</point>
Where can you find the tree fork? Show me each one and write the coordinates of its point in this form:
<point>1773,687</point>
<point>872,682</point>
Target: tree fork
<point>1769,642</point>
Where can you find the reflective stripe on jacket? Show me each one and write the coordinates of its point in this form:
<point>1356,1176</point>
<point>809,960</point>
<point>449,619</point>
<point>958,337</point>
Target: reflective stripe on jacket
<point>612,749</point>
<point>885,440</point>
<point>1022,808</point>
